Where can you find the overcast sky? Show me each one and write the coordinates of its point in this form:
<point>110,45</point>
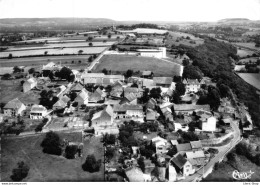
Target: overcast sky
<point>141,10</point>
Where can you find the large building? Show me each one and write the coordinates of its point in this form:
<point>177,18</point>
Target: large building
<point>157,53</point>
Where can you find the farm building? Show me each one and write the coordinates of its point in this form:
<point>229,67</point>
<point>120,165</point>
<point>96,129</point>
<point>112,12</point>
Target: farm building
<point>82,97</point>
<point>14,108</point>
<point>38,112</point>
<point>128,111</point>
<point>29,84</point>
<point>163,81</point>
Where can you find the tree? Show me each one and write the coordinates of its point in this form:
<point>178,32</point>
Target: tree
<point>66,73</point>
<point>45,52</point>
<point>172,151</point>
<point>185,62</point>
<point>80,52</point>
<point>6,76</point>
<point>16,69</point>
<point>129,73</point>
<point>51,144</point>
<point>140,163</point>
<point>90,59</point>
<point>20,172</point>
<point>145,97</point>
<point>90,44</point>
<point>31,71</point>
<point>70,151</point>
<point>180,88</point>
<point>109,36</point>
<point>91,164</point>
<point>109,153</point>
<point>10,56</point>
<point>105,71</point>
<point>176,97</point>
<point>134,85</point>
<point>213,98</point>
<point>192,72</point>
<point>155,93</point>
<point>109,139</point>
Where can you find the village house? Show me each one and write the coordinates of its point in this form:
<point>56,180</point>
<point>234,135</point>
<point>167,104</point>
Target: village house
<point>100,79</point>
<point>147,74</point>
<point>188,109</point>
<point>151,115</point>
<point>226,107</point>
<point>128,111</point>
<point>163,81</point>
<point>38,112</point>
<point>160,145</point>
<point>29,84</point>
<point>191,85</point>
<point>14,108</point>
<point>132,90</point>
<point>182,166</point>
<point>60,104</point>
<point>130,99</point>
<point>103,122</point>
<point>185,147</point>
<point>196,145</point>
<point>82,97</point>
<point>151,104</point>
<point>97,96</point>
<point>208,123</point>
<point>196,158</point>
<point>134,174</point>
<point>77,87</point>
<point>172,174</point>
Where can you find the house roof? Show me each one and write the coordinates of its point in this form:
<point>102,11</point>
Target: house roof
<point>196,144</point>
<point>167,104</point>
<point>38,108</point>
<point>65,98</point>
<point>179,160</point>
<point>147,73</point>
<point>132,90</point>
<point>150,114</point>
<point>77,87</point>
<point>32,80</point>
<point>184,147</point>
<point>158,139</point>
<point>126,107</point>
<point>148,82</point>
<point>163,80</point>
<point>95,96</point>
<point>190,107</point>
<point>111,102</point>
<point>83,95</point>
<point>14,104</point>
<point>195,154</point>
<point>130,97</point>
<point>197,161</point>
<point>134,174</point>
<point>174,142</point>
<point>191,81</point>
<point>108,110</point>
<point>93,75</point>
<point>114,77</point>
<point>60,103</point>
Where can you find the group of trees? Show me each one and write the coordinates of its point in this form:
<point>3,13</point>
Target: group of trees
<point>245,150</point>
<point>41,125</point>
<point>20,172</point>
<point>179,91</point>
<point>51,144</point>
<point>126,134</point>
<point>48,99</point>
<point>65,73</point>
<point>91,164</point>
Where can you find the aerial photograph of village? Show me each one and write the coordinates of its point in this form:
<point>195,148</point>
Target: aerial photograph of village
<point>130,91</point>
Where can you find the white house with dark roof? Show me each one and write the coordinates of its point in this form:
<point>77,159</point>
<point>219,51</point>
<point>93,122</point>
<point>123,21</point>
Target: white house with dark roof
<point>29,84</point>
<point>38,112</point>
<point>14,108</point>
<point>192,85</point>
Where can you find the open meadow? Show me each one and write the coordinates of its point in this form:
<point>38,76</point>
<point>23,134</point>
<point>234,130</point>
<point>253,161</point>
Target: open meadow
<point>45,167</point>
<point>244,52</point>
<point>39,61</point>
<point>60,51</point>
<point>251,78</point>
<point>137,63</point>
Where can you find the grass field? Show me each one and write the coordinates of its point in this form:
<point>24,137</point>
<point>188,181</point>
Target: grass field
<point>251,78</point>
<point>248,45</point>
<point>225,170</point>
<point>181,37</point>
<point>35,61</point>
<point>124,62</point>
<point>86,50</point>
<point>55,45</point>
<point>45,167</point>
<point>13,86</point>
<point>244,52</point>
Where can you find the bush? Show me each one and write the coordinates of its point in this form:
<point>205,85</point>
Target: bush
<point>51,144</point>
<point>71,151</point>
<point>21,172</point>
<point>91,164</point>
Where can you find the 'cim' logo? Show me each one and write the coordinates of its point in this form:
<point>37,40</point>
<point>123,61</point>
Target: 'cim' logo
<point>242,175</point>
